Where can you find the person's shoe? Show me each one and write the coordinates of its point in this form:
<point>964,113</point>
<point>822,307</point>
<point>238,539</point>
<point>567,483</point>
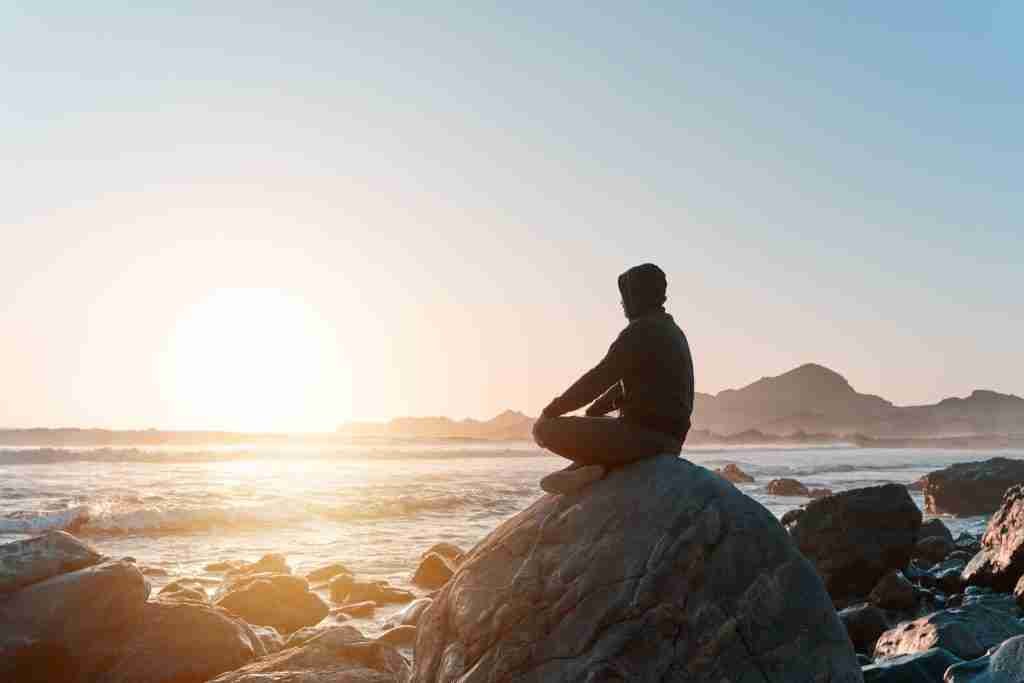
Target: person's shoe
<point>571,481</point>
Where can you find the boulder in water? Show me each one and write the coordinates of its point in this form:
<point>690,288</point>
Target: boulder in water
<point>1000,562</point>
<point>819,493</point>
<point>971,488</point>
<point>328,572</point>
<point>933,549</point>
<point>966,631</point>
<point>272,563</point>
<point>449,550</point>
<point>893,591</point>
<point>184,590</point>
<point>864,623</point>
<point>410,614</point>
<point>855,537</point>
<point>935,527</point>
<point>787,487</point>
<point>733,473</point>
<point>434,571</point>
<point>380,592</point>
<point>660,571</point>
<point>32,560</point>
<point>1004,665</point>
<point>921,667</point>
<point>279,600</point>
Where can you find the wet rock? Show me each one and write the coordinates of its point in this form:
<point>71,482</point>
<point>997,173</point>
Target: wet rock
<point>1004,665</point>
<point>917,484</point>
<point>733,473</point>
<point>893,591</point>
<point>968,543</point>
<point>153,571</point>
<point>819,493</point>
<point>272,563</point>
<point>966,631</point>
<point>279,600</point>
<point>433,572</point>
<point>1000,562</point>
<point>986,597</point>
<point>410,614</point>
<point>971,488</point>
<point>184,590</point>
<point>864,623</point>
<point>934,549</point>
<point>346,590</point>
<point>787,487</point>
<point>308,633</point>
<point>341,655</point>
<point>935,527</point>
<point>224,566</point>
<point>32,560</point>
<point>448,550</point>
<point>328,572</point>
<point>359,609</point>
<point>920,667</point>
<point>855,537</point>
<point>946,576</point>
<point>399,636</point>
<point>707,588</point>
<point>791,516</point>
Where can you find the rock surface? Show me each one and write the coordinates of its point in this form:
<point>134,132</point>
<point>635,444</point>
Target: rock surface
<point>855,537</point>
<point>410,614</point>
<point>967,632</point>
<point>1000,562</point>
<point>660,571</point>
<point>864,623</point>
<point>1005,665</point>
<point>433,572</point>
<point>934,549</point>
<point>921,667</point>
<point>279,600</point>
<point>184,590</point>
<point>893,591</point>
<point>787,487</point>
<point>935,527</point>
<point>733,473</point>
<point>32,560</point>
<point>346,589</point>
<point>341,655</point>
<point>328,572</point>
<point>971,488</point>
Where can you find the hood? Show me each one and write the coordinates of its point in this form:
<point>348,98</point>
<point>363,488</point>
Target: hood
<point>643,290</point>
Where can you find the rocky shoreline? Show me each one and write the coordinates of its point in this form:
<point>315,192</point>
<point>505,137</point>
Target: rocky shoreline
<point>662,571</point>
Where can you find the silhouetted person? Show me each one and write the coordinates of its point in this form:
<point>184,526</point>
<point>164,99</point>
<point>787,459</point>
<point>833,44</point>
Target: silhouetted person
<point>647,375</point>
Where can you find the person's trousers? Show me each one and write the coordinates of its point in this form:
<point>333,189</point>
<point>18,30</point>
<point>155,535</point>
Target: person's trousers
<point>602,440</point>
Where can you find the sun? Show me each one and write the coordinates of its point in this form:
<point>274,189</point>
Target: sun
<point>255,360</point>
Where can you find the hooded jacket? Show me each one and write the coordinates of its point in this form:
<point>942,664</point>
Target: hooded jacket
<point>647,373</point>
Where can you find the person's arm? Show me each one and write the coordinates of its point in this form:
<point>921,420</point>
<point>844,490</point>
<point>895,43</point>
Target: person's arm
<point>594,382</point>
<point>606,402</point>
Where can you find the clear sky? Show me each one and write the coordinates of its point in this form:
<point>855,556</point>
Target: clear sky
<point>241,215</point>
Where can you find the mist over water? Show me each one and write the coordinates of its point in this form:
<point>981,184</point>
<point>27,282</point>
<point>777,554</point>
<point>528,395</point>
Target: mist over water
<point>376,509</point>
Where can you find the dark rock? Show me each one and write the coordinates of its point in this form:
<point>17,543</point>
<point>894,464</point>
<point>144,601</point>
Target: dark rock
<point>733,473</point>
<point>968,543</point>
<point>965,631</point>
<point>1004,665</point>
<point>340,655</point>
<point>971,488</point>
<point>433,572</point>
<point>708,587</point>
<point>791,517</point>
<point>279,600</point>
<point>359,609</point>
<point>1000,562</point>
<point>787,487</point>
<point>864,623</point>
<point>946,576</point>
<point>32,560</point>
<point>410,614</point>
<point>184,590</point>
<point>893,591</point>
<point>327,572</point>
<point>917,484</point>
<point>855,537</point>
<point>399,636</point>
<point>920,667</point>
<point>933,549</point>
<point>935,527</point>
<point>819,493</point>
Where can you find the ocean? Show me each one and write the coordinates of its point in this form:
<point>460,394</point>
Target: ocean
<point>375,508</point>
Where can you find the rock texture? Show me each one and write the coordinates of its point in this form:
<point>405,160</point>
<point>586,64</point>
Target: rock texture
<point>434,571</point>
<point>787,487</point>
<point>733,473</point>
<point>922,667</point>
<point>971,488</point>
<point>933,549</point>
<point>341,655</point>
<point>967,632</point>
<point>660,571</point>
<point>279,600</point>
<point>935,527</point>
<point>32,560</point>
<point>893,591</point>
<point>855,537</point>
<point>1000,562</point>
<point>1005,665</point>
<point>864,623</point>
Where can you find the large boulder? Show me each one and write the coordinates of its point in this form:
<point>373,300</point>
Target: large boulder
<point>856,537</point>
<point>921,667</point>
<point>933,549</point>
<point>340,655</point>
<point>967,632</point>
<point>935,527</point>
<point>434,571</point>
<point>32,560</point>
<point>1000,562</point>
<point>283,601</point>
<point>787,487</point>
<point>1005,665</point>
<point>344,589</point>
<point>893,591</point>
<point>271,563</point>
<point>971,488</point>
<point>864,623</point>
<point>184,590</point>
<point>660,571</point>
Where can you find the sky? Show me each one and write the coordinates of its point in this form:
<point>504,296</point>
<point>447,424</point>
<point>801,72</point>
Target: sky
<point>240,215</point>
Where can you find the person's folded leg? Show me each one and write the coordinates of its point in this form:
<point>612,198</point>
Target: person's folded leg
<point>601,440</point>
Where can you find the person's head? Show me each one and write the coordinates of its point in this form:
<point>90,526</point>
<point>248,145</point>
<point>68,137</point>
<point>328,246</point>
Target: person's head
<point>643,290</point>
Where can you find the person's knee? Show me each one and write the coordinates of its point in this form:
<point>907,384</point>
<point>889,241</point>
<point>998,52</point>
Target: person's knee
<point>542,429</point>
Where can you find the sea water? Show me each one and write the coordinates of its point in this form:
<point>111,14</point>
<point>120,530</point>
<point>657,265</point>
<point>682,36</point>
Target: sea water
<point>373,508</point>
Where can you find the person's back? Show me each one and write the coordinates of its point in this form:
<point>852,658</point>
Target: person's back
<point>647,375</point>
